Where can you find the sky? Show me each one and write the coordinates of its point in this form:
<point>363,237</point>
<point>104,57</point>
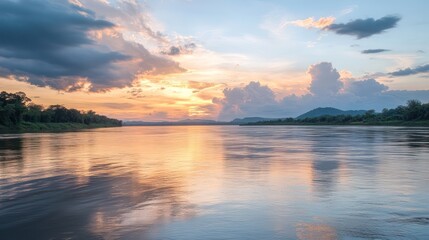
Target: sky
<point>167,60</point>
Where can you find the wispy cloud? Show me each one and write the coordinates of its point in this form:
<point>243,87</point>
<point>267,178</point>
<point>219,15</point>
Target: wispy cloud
<point>371,51</point>
<point>411,71</point>
<point>349,10</point>
<point>130,15</point>
<point>311,22</point>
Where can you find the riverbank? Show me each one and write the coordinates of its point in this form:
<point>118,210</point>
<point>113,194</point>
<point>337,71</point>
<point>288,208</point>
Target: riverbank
<point>382,123</point>
<point>29,127</point>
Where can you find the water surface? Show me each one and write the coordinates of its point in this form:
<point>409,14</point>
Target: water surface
<point>216,182</point>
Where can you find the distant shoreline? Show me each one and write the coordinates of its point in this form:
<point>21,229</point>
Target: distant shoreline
<point>167,124</point>
<point>28,127</point>
<point>72,127</point>
<point>393,124</point>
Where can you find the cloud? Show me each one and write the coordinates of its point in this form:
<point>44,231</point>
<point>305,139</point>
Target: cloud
<point>117,105</point>
<point>243,102</point>
<point>65,47</point>
<point>311,23</point>
<point>135,93</point>
<point>199,85</point>
<point>172,51</point>
<point>349,10</point>
<point>133,16</point>
<point>128,14</point>
<point>362,28</point>
<point>158,115</point>
<point>378,50</point>
<point>366,87</point>
<point>411,71</point>
<point>187,48</point>
<point>325,80</point>
<point>256,100</point>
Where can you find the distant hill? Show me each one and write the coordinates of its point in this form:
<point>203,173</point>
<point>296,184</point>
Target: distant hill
<point>250,120</point>
<point>330,111</point>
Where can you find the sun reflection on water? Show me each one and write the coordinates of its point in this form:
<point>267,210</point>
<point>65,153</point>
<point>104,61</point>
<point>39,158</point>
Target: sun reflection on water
<point>230,182</point>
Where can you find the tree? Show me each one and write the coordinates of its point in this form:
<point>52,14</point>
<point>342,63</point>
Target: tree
<point>17,107</point>
<point>12,107</point>
<point>413,110</point>
<point>33,113</point>
<point>369,115</point>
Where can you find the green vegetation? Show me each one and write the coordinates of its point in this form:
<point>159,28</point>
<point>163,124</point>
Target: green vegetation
<point>17,113</point>
<point>318,112</point>
<point>413,114</point>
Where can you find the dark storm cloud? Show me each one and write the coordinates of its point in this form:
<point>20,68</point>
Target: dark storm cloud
<point>411,71</point>
<point>45,25</point>
<point>378,50</point>
<point>49,43</point>
<point>362,28</point>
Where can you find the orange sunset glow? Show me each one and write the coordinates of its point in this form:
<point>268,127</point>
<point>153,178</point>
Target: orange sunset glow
<point>214,119</point>
<point>137,62</point>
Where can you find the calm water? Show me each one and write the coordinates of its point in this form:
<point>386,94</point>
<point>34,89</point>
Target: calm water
<point>221,182</point>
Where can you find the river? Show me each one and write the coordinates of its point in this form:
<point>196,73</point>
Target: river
<point>216,182</point>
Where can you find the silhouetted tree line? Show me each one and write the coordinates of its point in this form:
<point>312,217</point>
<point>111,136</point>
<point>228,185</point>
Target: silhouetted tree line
<point>17,107</point>
<point>413,111</point>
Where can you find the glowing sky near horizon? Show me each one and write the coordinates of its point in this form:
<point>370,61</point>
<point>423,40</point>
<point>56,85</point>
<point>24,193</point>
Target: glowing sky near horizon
<point>174,59</point>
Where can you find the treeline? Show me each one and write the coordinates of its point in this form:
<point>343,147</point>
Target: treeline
<point>413,112</point>
<point>16,108</point>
